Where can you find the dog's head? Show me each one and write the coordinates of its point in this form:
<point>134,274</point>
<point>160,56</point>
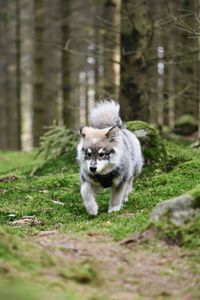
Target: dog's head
<point>97,150</point>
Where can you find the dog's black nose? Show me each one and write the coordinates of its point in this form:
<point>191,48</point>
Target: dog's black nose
<point>93,169</point>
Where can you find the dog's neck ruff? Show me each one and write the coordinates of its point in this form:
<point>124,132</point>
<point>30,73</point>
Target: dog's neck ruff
<point>107,179</point>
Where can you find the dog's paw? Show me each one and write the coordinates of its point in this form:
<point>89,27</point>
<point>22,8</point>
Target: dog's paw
<point>125,199</point>
<point>114,208</point>
<point>92,210</point>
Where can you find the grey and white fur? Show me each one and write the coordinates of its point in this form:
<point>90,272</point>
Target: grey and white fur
<point>109,156</point>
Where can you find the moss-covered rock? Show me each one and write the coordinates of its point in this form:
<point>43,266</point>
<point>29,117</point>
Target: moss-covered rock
<point>196,144</point>
<point>152,145</point>
<point>186,125</point>
<point>180,209</point>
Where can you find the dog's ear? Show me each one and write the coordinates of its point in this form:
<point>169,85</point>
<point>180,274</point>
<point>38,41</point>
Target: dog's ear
<point>81,132</point>
<point>112,132</point>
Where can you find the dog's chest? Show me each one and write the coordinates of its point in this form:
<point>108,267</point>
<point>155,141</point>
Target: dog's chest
<point>107,179</point>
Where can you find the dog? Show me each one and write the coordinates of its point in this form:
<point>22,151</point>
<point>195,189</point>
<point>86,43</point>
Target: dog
<point>110,156</point>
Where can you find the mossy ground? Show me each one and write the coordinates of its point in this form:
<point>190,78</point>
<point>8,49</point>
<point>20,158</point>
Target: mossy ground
<point>53,197</point>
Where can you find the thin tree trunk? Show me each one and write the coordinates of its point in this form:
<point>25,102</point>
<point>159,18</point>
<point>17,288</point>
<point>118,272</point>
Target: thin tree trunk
<point>3,77</point>
<point>18,72</point>
<point>52,63</point>
<point>27,33</point>
<point>112,48</point>
<point>12,83</point>
<point>69,107</point>
<point>198,69</point>
<point>38,72</point>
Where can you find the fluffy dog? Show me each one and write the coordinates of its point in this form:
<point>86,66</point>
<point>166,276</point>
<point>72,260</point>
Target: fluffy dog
<point>109,156</point>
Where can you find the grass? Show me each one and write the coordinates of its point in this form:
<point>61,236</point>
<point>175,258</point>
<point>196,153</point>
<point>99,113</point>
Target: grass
<point>43,195</point>
<point>28,196</point>
<point>53,198</point>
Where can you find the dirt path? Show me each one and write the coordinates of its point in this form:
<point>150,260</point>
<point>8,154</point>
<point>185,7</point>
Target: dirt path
<point>129,270</point>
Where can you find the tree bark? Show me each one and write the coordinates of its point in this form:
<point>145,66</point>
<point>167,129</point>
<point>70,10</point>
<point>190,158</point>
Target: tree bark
<point>198,68</point>
<point>12,70</point>
<point>3,83</point>
<point>18,71</point>
<point>112,48</point>
<point>136,34</point>
<point>27,34</point>
<point>52,62</point>
<point>69,105</point>
<point>38,72</point>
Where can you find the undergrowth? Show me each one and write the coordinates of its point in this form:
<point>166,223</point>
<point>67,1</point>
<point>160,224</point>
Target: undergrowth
<point>52,201</point>
<point>53,195</point>
<point>56,143</point>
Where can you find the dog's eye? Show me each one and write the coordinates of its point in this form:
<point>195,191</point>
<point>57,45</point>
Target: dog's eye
<point>89,154</point>
<point>101,154</point>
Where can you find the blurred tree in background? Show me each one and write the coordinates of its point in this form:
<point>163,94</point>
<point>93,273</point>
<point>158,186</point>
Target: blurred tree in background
<point>57,57</point>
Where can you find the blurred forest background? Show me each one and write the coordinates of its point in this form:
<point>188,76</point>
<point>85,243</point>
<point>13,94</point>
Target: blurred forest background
<point>57,57</point>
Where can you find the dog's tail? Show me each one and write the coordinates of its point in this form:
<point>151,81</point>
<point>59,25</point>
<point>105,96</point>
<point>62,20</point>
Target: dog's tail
<point>105,114</point>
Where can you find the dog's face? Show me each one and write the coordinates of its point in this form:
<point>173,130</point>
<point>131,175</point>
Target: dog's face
<point>97,149</point>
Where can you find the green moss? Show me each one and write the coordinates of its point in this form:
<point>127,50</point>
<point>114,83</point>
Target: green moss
<point>153,147</point>
<point>187,232</point>
<point>186,235</point>
<point>195,193</point>
<point>58,143</point>
<point>186,119</point>
<point>60,182</point>
<point>85,272</point>
<point>185,125</point>
<point>26,266</point>
<point>137,125</point>
<point>53,197</point>
<point>23,289</point>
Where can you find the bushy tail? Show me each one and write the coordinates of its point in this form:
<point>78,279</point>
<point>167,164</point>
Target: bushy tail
<point>105,114</point>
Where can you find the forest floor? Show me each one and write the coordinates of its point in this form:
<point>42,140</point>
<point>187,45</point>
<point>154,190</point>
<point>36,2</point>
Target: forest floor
<point>51,249</point>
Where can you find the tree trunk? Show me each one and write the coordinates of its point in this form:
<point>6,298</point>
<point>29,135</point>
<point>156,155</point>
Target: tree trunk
<point>135,42</point>
<point>173,48</point>
<point>12,70</point>
<point>27,33</point>
<point>69,107</point>
<point>112,48</point>
<point>18,72</point>
<point>198,68</point>
<point>3,83</point>
<point>38,71</point>
<point>52,63</point>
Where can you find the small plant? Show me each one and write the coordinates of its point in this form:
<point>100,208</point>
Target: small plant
<point>56,142</point>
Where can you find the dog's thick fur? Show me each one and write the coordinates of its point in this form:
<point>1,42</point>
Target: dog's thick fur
<point>109,156</point>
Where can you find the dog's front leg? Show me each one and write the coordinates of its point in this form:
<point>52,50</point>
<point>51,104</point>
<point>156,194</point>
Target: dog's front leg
<point>88,193</point>
<point>117,196</point>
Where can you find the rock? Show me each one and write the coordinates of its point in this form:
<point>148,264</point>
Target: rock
<point>180,209</point>
<point>186,125</point>
<point>152,145</point>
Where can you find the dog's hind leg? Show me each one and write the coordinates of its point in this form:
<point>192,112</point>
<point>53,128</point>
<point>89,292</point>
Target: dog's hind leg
<point>88,193</point>
<point>117,196</point>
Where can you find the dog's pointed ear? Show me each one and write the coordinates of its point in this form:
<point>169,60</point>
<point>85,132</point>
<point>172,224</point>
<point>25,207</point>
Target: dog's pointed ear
<point>81,132</point>
<point>112,132</point>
